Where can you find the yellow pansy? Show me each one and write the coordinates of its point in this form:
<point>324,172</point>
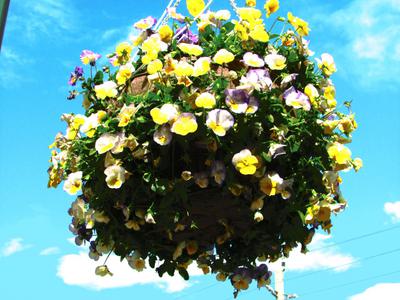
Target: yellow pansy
<point>330,92</point>
<point>299,25</point>
<point>73,184</point>
<point>329,126</point>
<point>312,93</point>
<point>167,113</point>
<point>154,44</point>
<point>191,247</point>
<point>357,164</point>
<point>115,176</point>
<point>166,33</point>
<point>241,282</point>
<point>183,68</point>
<point>223,56</point>
<point>106,89</point>
<point>348,124</point>
<point>245,162</point>
<point>339,153</point>
<point>326,64</point>
<point>124,49</point>
<point>154,66</point>
<point>258,33</point>
<point>125,115</point>
<point>124,73</point>
<point>136,263</point>
<point>251,3</point>
<point>271,6</point>
<point>195,7</point>
<point>202,66</point>
<point>149,57</point>
<point>241,30</point>
<point>185,124</point>
<point>190,49</point>
<point>92,122</point>
<point>205,100</point>
<point>249,13</point>
<point>270,184</point>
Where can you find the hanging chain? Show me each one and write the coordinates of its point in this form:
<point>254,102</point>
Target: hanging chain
<point>166,19</point>
<point>234,6</point>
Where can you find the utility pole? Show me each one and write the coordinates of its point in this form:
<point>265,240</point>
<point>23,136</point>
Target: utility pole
<point>279,284</point>
<point>4,4</point>
<point>279,291</point>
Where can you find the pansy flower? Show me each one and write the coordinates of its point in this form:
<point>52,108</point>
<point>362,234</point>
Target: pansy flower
<point>326,64</point>
<point>258,79</point>
<point>245,162</point>
<point>146,23</point>
<point>299,25</point>
<point>115,176</point>
<point>167,113</point>
<point>271,6</point>
<point>220,121</point>
<point>296,99</point>
<point>75,76</point>
<point>106,89</point>
<point>202,66</point>
<point>174,15</point>
<point>190,49</point>
<point>223,56</point>
<point>253,60</point>
<point>206,100</point>
<point>275,61</point>
<point>163,135</point>
<point>73,184</point>
<point>218,171</point>
<point>185,124</point>
<point>89,57</point>
<point>237,100</point>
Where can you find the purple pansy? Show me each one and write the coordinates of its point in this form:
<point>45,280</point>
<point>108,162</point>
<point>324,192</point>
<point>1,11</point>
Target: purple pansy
<point>185,35</point>
<point>296,99</point>
<point>89,57</point>
<point>75,76</point>
<point>259,79</point>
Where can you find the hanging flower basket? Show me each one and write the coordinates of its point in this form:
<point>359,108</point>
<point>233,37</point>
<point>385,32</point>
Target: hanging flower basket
<point>221,146</point>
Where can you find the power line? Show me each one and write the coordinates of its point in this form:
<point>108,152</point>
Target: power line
<point>317,249</point>
<point>349,283</point>
<point>356,238</point>
<point>346,264</point>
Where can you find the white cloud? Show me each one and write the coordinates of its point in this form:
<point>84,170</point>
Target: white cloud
<point>13,246</point>
<point>393,210</point>
<point>317,259</point>
<point>379,291</point>
<point>50,251</point>
<point>78,269</point>
<point>367,34</point>
<point>33,18</point>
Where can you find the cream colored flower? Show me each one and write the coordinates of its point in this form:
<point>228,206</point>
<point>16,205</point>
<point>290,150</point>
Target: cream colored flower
<point>115,176</point>
<point>73,184</point>
<point>105,142</point>
<point>107,89</point>
<point>275,61</point>
<point>253,60</point>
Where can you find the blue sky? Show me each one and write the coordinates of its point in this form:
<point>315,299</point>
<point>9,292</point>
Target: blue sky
<point>42,43</point>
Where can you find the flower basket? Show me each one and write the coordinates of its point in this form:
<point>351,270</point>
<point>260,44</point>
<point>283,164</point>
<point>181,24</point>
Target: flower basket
<point>222,147</point>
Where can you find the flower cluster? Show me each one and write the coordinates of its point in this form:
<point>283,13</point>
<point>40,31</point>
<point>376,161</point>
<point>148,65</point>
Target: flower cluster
<point>219,142</point>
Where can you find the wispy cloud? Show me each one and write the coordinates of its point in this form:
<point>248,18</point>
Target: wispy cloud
<point>317,259</point>
<point>367,39</point>
<point>33,18</point>
<point>79,270</point>
<point>393,210</point>
<point>13,246</point>
<point>379,291</point>
<point>49,251</point>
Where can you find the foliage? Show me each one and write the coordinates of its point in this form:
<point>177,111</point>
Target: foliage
<point>221,147</point>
